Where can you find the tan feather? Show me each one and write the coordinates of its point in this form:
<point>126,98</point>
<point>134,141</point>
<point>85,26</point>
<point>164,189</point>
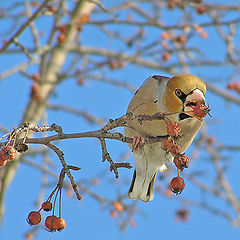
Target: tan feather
<point>157,94</point>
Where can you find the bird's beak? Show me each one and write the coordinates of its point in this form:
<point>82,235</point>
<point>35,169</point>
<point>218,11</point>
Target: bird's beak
<point>192,100</point>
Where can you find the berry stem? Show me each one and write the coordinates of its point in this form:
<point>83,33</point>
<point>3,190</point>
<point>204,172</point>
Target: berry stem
<point>10,138</point>
<point>5,135</point>
<point>51,195</point>
<point>54,203</point>
<point>60,202</point>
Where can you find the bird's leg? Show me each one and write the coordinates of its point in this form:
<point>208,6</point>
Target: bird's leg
<point>138,141</point>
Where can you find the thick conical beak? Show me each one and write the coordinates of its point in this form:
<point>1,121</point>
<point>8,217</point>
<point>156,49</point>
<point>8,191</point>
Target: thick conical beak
<point>192,100</point>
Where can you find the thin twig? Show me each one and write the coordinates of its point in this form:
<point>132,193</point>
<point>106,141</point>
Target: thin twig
<point>23,27</point>
<point>65,167</point>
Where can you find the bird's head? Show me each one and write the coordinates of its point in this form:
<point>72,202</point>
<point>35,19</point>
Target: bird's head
<point>182,93</point>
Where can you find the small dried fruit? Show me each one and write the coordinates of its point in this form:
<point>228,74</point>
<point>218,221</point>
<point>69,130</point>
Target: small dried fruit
<point>177,185</point>
<point>118,206</point>
<point>201,110</point>
<point>83,19</point>
<point>166,36</point>
<point>132,223</point>
<point>182,214</point>
<point>59,224</point>
<point>8,153</point>
<point>35,91</point>
<point>204,35</point>
<point>49,223</point>
<point>181,39</point>
<point>113,213</point>
<point>36,77</point>
<point>201,9</point>
<point>47,206</point>
<point>29,236</point>
<point>2,162</point>
<point>113,64</point>
<point>171,4</point>
<point>173,129</point>
<point>61,38</point>
<point>175,149</point>
<point>166,56</point>
<point>34,218</point>
<point>181,161</point>
<point>51,8</point>
<point>167,144</point>
<point>62,29</point>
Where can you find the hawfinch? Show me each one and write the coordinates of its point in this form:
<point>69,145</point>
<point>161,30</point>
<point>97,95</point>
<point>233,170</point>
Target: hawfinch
<point>177,95</point>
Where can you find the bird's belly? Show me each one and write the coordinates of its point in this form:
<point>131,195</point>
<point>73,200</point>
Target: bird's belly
<point>156,155</point>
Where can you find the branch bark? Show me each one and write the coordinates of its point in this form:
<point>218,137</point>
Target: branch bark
<point>35,109</point>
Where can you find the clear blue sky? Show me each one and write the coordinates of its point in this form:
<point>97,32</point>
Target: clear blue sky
<point>87,219</point>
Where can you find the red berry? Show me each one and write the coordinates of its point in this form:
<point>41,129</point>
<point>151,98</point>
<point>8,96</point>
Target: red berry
<point>167,143</point>
<point>83,19</point>
<point>177,185</point>
<point>34,218</point>
<point>182,214</point>
<point>113,64</point>
<point>49,223</point>
<point>181,39</point>
<point>118,206</point>
<point>61,38</point>
<point>201,9</point>
<point>201,110</point>
<point>171,4</point>
<point>51,8</point>
<point>2,162</point>
<point>47,206</point>
<point>113,213</point>
<point>204,35</point>
<point>36,77</point>
<point>35,91</point>
<point>62,29</point>
<point>173,129</point>
<point>181,161</point>
<point>3,156</point>
<point>59,224</point>
<point>8,153</point>
<point>175,149</point>
<point>166,56</point>
<point>166,36</point>
<point>12,152</point>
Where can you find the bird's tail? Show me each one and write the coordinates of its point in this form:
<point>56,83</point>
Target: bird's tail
<point>145,191</point>
<point>139,176</point>
<point>142,186</point>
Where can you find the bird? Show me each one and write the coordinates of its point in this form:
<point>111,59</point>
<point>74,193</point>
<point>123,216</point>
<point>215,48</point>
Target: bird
<point>175,95</point>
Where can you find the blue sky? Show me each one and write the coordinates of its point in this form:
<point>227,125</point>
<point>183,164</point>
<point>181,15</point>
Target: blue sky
<point>88,219</point>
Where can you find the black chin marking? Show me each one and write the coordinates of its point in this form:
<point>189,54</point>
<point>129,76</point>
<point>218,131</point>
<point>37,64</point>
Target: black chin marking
<point>183,116</point>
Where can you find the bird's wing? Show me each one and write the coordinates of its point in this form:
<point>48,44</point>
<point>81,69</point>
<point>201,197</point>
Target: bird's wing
<point>147,100</point>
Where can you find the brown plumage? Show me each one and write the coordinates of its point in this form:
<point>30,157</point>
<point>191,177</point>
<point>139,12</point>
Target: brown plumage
<point>166,95</point>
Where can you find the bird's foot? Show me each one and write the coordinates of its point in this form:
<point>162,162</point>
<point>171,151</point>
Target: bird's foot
<point>137,143</point>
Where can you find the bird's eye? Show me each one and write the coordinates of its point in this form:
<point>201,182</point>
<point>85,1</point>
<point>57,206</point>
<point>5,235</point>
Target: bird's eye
<point>178,92</point>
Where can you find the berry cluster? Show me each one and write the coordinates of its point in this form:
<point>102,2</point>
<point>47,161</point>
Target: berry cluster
<point>181,161</point>
<point>8,153</point>
<point>52,222</point>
